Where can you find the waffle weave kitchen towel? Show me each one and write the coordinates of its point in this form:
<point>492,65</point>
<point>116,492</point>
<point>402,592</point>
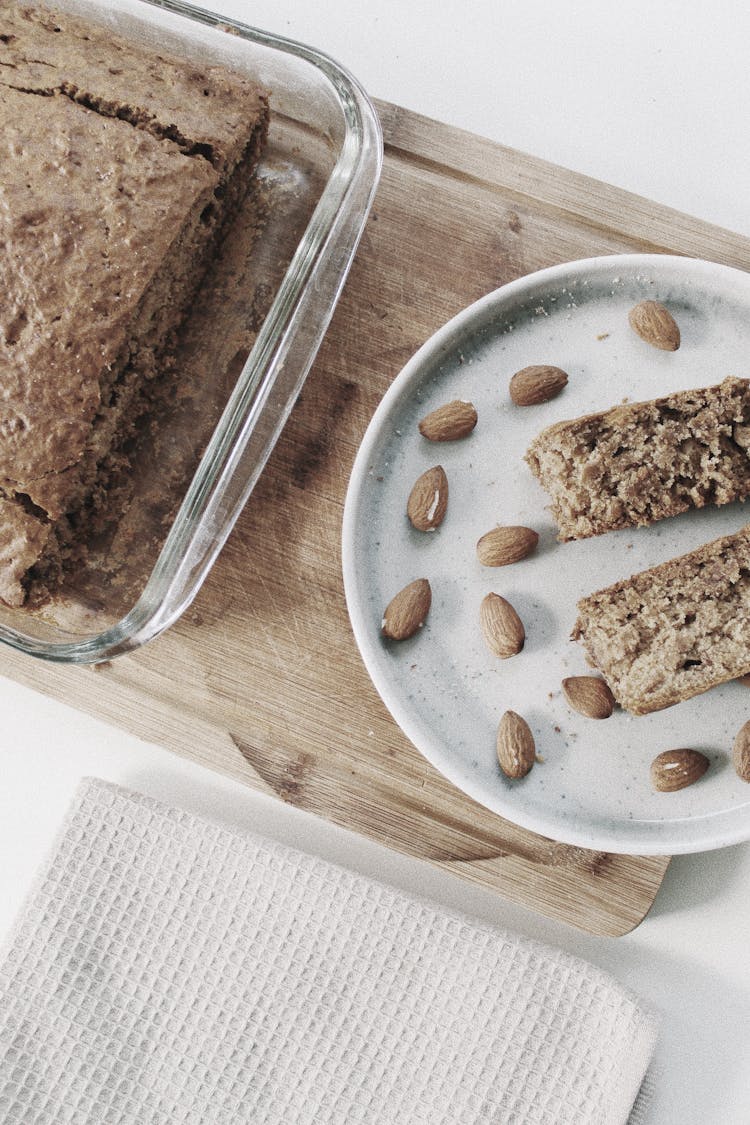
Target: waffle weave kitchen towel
<point>169,970</point>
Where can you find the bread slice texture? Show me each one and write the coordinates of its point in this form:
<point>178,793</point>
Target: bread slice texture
<point>675,630</point>
<point>205,111</point>
<point>642,462</point>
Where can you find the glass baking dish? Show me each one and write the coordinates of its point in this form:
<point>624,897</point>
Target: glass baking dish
<point>316,184</point>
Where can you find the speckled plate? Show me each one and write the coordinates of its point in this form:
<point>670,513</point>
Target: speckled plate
<point>443,687</point>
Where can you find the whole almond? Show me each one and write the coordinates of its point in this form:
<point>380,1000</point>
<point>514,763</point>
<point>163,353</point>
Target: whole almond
<point>676,769</point>
<point>502,627</point>
<point>428,499</point>
<point>589,696</point>
<point>741,752</point>
<point>516,751</point>
<point>505,545</point>
<point>407,611</point>
<point>655,324</point>
<point>744,680</point>
<point>535,384</point>
<point>450,422</point>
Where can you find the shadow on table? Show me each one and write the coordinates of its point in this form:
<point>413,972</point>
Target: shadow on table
<point>698,879</point>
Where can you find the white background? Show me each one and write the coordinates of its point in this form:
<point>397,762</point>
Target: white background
<point>651,97</point>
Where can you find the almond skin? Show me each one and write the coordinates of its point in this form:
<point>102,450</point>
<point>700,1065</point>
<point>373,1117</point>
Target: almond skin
<point>406,612</point>
<point>535,384</point>
<point>516,751</point>
<point>505,545</point>
<point>741,752</point>
<point>676,769</point>
<point>502,627</point>
<point>589,696</point>
<point>655,324</point>
<point>450,422</point>
<point>428,500</point>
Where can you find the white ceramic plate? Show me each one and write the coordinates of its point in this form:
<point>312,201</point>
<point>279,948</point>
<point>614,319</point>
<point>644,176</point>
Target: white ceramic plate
<point>443,687</point>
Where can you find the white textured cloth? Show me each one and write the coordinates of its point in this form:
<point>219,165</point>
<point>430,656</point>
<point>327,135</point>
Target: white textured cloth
<point>168,970</point>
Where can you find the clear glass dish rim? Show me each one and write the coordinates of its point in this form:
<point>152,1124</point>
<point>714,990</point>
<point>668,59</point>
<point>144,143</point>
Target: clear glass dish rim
<point>346,199</point>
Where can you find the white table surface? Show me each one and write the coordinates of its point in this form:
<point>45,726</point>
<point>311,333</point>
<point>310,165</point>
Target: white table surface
<point>652,98</point>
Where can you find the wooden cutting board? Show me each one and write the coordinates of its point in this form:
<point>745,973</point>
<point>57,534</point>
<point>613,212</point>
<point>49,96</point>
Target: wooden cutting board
<point>261,678</point>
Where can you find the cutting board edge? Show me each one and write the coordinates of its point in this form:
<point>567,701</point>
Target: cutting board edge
<point>615,209</point>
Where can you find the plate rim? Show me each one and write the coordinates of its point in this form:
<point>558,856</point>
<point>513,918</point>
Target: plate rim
<point>606,839</point>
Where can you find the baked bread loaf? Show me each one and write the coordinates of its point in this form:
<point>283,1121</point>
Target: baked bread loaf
<point>121,168</point>
<point>675,630</point>
<point>641,462</point>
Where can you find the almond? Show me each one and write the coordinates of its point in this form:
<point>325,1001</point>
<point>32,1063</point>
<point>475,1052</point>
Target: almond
<point>502,627</point>
<point>589,696</point>
<point>744,680</point>
<point>676,769</point>
<point>450,422</point>
<point>655,324</point>
<point>505,545</point>
<point>428,499</point>
<point>515,746</point>
<point>741,752</point>
<point>535,384</point>
<point>407,611</point>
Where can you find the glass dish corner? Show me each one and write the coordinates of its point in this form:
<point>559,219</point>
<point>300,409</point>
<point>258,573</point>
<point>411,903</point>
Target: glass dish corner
<point>314,95</point>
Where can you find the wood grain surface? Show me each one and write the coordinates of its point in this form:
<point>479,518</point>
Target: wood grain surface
<point>261,678</point>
